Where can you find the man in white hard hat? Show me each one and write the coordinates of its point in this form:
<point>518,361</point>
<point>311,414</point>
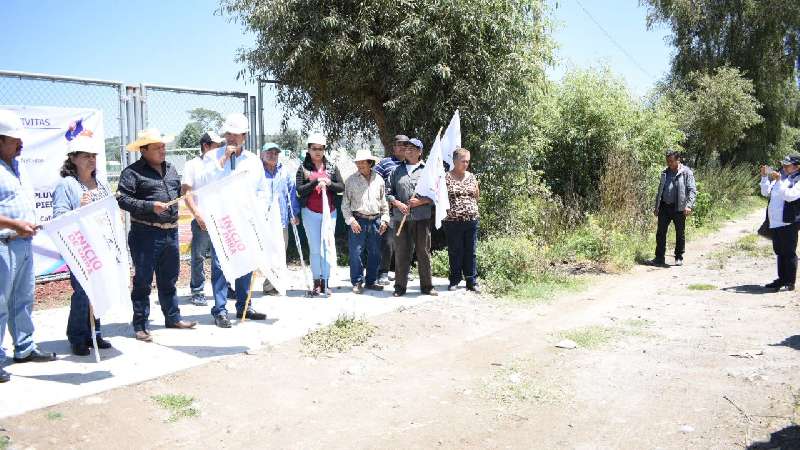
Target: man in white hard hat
<point>145,190</point>
<point>201,242</point>
<point>17,217</point>
<point>221,163</point>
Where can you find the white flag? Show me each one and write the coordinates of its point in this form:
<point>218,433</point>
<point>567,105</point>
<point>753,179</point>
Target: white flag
<point>451,140</point>
<point>275,251</point>
<point>92,241</point>
<point>327,242</point>
<point>432,184</point>
<point>236,223</point>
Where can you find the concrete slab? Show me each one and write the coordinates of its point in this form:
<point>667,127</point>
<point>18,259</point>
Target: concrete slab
<point>35,386</point>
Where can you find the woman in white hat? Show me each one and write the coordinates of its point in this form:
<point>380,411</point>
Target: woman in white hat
<point>317,180</point>
<point>80,186</point>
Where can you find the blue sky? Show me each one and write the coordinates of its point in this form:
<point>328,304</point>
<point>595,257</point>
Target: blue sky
<point>184,43</point>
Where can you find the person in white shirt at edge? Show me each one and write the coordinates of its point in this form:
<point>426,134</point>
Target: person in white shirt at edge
<point>218,165</point>
<point>783,213</point>
<point>201,243</point>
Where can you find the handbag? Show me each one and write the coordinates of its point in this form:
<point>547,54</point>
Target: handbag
<point>764,230</point>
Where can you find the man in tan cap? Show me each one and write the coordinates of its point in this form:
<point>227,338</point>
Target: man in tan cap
<point>145,188</point>
<point>366,212</point>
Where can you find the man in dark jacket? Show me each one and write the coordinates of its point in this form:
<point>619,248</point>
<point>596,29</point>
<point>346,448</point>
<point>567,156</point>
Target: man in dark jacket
<point>145,189</point>
<point>677,192</point>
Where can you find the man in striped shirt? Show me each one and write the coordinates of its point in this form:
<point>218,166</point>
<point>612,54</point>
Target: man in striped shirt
<point>385,168</point>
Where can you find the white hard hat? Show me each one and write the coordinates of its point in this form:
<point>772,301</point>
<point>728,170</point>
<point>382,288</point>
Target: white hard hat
<point>317,138</point>
<point>10,124</point>
<point>83,144</point>
<point>235,123</point>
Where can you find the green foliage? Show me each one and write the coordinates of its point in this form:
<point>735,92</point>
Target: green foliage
<point>207,119</point>
<point>715,112</point>
<point>504,262</point>
<point>289,140</point>
<point>440,263</point>
<point>701,287</point>
<point>387,66</point>
<point>178,405</point>
<point>190,136</point>
<point>760,38</point>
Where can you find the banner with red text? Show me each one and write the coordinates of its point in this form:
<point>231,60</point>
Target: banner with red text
<point>92,241</point>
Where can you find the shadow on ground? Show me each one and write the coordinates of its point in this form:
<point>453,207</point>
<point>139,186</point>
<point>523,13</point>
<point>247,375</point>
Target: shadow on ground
<point>791,342</point>
<point>785,439</point>
<point>748,289</point>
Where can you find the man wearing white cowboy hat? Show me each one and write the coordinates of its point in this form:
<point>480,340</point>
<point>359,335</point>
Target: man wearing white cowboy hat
<point>366,212</point>
<point>219,163</point>
<point>17,216</point>
<point>145,187</point>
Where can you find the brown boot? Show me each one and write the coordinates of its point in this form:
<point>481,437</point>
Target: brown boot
<point>315,291</point>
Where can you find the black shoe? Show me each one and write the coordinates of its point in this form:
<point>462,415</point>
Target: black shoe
<point>474,288</point>
<point>678,261</point>
<point>774,285</point>
<point>374,287</point>
<point>222,321</point>
<point>252,314</point>
<point>5,377</point>
<point>36,356</point>
<point>399,292</point>
<point>80,349</point>
<point>101,343</point>
<point>789,287</point>
<point>656,262</point>
<point>432,292</point>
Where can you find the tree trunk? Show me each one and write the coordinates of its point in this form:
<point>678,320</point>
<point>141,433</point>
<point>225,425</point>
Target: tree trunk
<point>379,115</point>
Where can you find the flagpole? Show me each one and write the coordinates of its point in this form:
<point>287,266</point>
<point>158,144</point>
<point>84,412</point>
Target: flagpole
<point>94,336</point>
<point>247,302</point>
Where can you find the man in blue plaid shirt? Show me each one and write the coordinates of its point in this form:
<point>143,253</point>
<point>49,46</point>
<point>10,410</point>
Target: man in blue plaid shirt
<point>17,217</point>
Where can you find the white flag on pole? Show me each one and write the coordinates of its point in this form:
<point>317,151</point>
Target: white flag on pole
<point>451,140</point>
<point>327,242</point>
<point>432,184</point>
<point>275,251</point>
<point>236,222</point>
<point>91,239</point>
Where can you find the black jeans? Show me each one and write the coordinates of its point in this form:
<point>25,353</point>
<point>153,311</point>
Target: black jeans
<point>784,244</point>
<point>462,239</point>
<point>387,250</point>
<point>79,327</point>
<point>667,214</point>
<point>154,250</point>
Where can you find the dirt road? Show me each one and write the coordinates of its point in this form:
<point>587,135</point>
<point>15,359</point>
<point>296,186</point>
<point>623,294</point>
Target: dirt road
<point>658,365</point>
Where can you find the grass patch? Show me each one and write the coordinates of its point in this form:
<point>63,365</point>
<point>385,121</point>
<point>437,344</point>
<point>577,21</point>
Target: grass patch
<point>750,245</point>
<point>596,336</point>
<point>5,442</point>
<point>342,335</point>
<point>179,406</point>
<point>544,288</point>
<point>54,415</point>
<point>701,287</point>
<point>514,384</point>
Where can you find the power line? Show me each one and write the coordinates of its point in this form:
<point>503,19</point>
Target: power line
<point>613,41</point>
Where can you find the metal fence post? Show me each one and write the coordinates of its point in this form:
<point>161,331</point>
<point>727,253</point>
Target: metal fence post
<point>261,137</point>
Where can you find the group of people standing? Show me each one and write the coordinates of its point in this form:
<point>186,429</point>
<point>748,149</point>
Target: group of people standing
<point>387,223</point>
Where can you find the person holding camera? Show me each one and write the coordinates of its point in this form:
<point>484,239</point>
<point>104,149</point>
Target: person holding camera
<point>783,214</point>
<point>675,198</point>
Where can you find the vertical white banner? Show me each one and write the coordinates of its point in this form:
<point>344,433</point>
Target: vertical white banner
<point>92,240</point>
<point>47,131</point>
<point>451,140</point>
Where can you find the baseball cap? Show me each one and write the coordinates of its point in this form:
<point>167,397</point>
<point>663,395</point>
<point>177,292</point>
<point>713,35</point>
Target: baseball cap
<point>209,137</point>
<point>401,138</point>
<point>791,159</point>
<point>270,146</point>
<point>416,143</point>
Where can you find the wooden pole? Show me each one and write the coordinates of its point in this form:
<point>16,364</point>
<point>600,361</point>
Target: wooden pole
<point>405,216</point>
<point>94,336</point>
<point>247,302</point>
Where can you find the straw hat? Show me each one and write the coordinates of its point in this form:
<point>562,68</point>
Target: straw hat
<point>365,155</point>
<point>149,136</point>
<point>235,123</point>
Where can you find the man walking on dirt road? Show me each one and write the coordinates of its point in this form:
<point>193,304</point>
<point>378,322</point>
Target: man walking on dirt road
<point>674,202</point>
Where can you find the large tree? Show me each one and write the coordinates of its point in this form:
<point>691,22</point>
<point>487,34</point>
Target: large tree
<point>760,37</point>
<point>398,66</point>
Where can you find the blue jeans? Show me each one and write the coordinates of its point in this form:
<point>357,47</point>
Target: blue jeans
<point>201,246</point>
<point>370,236</point>
<point>462,240</point>
<point>79,329</point>
<point>220,286</point>
<point>154,250</point>
<point>16,296</point>
<point>312,223</point>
